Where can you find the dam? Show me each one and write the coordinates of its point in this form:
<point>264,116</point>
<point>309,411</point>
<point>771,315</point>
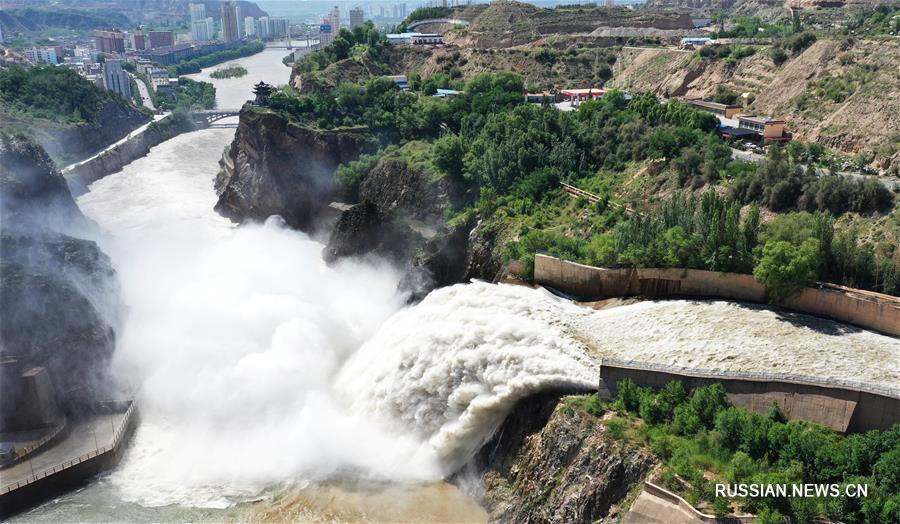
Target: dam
<point>223,316</point>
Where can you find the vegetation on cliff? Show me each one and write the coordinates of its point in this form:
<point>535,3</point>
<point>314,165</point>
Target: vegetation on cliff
<point>68,115</point>
<point>505,160</point>
<point>53,93</point>
<point>702,441</point>
<point>556,460</point>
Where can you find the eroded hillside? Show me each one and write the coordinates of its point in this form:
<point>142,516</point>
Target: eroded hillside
<point>840,93</point>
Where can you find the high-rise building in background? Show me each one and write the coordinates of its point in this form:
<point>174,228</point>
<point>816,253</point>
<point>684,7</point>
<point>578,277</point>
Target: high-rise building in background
<point>278,27</point>
<point>357,17</point>
<point>199,31</point>
<point>230,31</point>
<point>115,78</point>
<point>198,12</point>
<point>250,26</point>
<point>159,39</point>
<point>262,27</point>
<point>109,41</point>
<point>211,27</point>
<point>330,26</point>
<point>138,39</point>
<point>240,20</point>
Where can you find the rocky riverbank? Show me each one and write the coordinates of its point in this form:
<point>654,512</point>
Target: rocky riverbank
<point>81,175</point>
<point>275,167</point>
<point>66,143</point>
<point>553,460</point>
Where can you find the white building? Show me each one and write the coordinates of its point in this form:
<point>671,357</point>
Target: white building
<point>200,31</point>
<point>41,55</point>
<point>198,12</point>
<point>159,78</point>
<point>249,26</point>
<point>115,78</point>
<point>262,27</point>
<point>414,38</point>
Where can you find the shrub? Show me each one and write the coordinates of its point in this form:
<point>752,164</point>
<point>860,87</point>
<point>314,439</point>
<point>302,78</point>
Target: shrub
<point>778,55</point>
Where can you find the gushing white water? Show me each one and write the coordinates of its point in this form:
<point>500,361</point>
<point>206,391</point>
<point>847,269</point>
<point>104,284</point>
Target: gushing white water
<point>234,336</point>
<point>450,369</point>
<point>239,338</point>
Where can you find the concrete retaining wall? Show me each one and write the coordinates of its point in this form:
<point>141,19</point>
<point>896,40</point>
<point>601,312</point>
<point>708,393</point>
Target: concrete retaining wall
<point>842,407</point>
<point>866,309</point>
<point>80,176</point>
<point>49,483</point>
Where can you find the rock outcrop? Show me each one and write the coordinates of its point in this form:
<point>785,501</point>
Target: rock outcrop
<point>275,167</point>
<point>552,462</point>
<point>68,143</point>
<point>366,229</point>
<point>394,184</point>
<point>59,294</point>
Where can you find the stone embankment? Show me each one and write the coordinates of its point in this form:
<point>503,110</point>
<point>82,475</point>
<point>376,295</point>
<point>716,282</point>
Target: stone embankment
<point>82,174</point>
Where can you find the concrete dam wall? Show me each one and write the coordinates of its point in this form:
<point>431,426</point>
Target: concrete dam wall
<point>844,407</point>
<point>866,309</point>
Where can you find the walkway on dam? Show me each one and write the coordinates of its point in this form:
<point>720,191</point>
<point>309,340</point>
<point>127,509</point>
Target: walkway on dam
<point>85,436</point>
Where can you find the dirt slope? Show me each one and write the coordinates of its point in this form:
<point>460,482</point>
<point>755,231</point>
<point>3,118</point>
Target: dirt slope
<point>863,115</point>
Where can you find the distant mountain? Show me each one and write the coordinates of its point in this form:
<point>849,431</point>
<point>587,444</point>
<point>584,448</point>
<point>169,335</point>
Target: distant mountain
<point>91,14</point>
<point>30,19</point>
<point>213,7</point>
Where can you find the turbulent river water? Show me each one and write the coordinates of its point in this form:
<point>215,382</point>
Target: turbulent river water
<point>259,369</point>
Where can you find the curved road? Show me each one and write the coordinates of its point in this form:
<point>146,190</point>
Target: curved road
<point>145,93</point>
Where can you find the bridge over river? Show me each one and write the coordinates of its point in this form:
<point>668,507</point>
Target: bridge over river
<point>211,116</point>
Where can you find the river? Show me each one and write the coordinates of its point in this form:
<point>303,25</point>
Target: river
<point>272,385</point>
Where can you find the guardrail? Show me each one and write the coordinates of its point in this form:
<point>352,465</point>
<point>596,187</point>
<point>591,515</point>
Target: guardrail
<point>592,198</point>
<point>117,438</point>
<point>757,376</point>
<point>674,498</point>
<point>27,450</point>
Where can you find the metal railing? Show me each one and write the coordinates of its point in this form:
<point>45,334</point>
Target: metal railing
<point>592,198</point>
<point>117,437</point>
<point>876,389</point>
<point>27,450</point>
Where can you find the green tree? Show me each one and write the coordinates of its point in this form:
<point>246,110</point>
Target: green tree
<point>785,268</point>
<point>448,155</point>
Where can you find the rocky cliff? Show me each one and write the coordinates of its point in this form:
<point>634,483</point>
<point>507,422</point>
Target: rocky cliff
<point>67,143</point>
<point>554,460</point>
<point>401,218</point>
<point>275,167</point>
<point>58,293</point>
